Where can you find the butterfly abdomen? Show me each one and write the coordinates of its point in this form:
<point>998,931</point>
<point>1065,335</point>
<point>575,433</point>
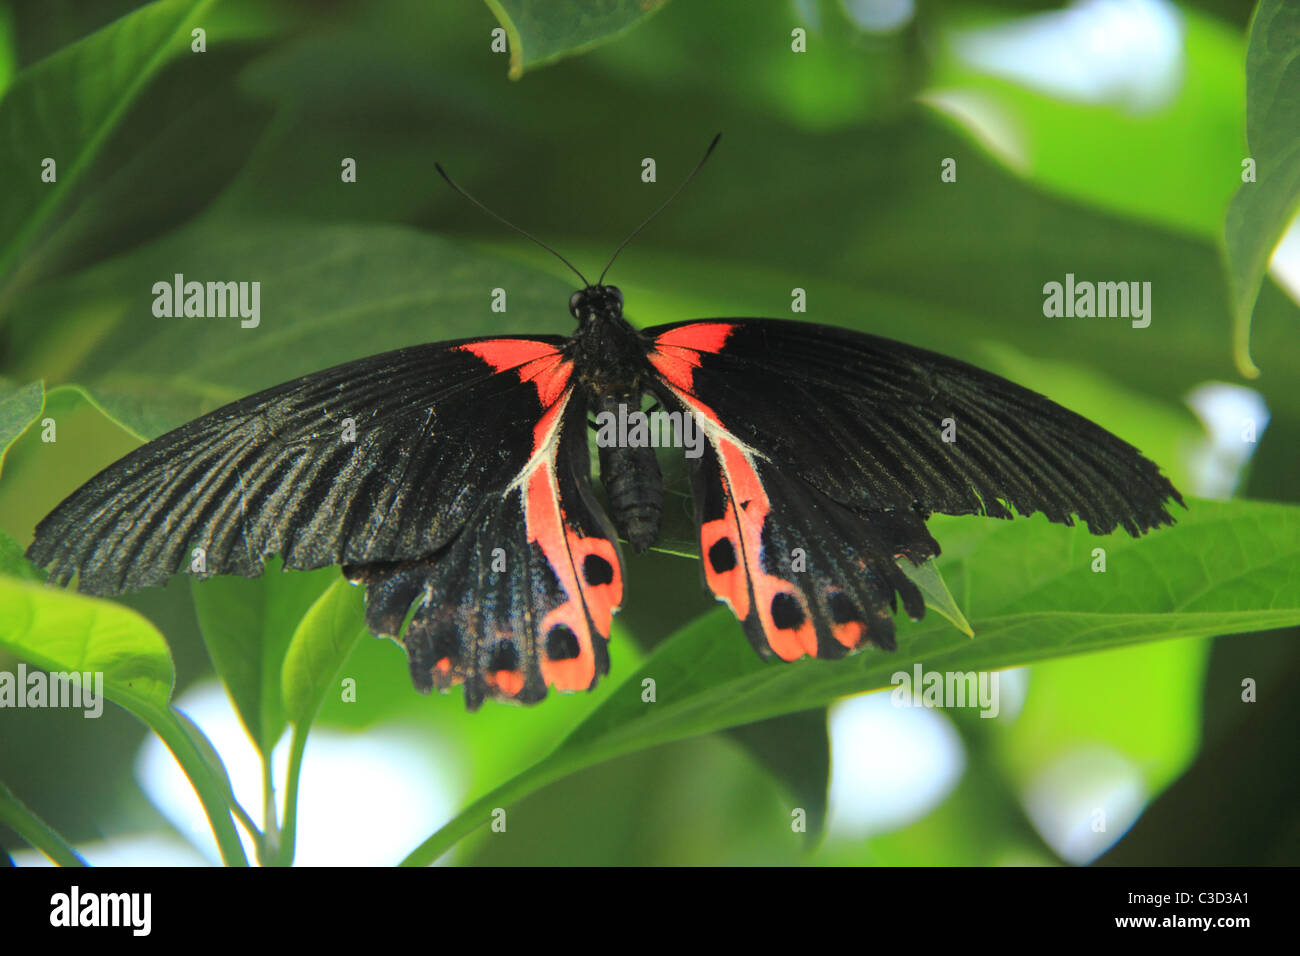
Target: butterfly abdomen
<point>632,479</point>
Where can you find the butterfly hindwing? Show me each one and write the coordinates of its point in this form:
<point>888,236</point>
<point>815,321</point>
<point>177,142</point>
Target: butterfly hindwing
<point>523,597</point>
<point>803,574</point>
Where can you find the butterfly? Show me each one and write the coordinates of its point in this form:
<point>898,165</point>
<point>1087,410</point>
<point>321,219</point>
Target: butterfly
<point>454,481</point>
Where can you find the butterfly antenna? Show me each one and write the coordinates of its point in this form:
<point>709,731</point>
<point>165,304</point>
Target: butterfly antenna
<point>506,222</point>
<point>651,217</point>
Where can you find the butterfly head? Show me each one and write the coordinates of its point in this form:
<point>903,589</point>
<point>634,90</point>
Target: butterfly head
<point>596,302</point>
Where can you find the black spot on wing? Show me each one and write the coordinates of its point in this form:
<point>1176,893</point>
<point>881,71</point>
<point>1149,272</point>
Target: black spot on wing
<point>722,556</point>
<point>562,643</point>
<point>597,571</point>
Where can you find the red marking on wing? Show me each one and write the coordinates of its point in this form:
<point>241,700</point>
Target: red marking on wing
<point>747,510</point>
<point>699,336</point>
<point>538,362</point>
<point>677,352</point>
<point>509,683</point>
<point>546,426</point>
<point>850,633</point>
<point>503,354</point>
<point>587,606</point>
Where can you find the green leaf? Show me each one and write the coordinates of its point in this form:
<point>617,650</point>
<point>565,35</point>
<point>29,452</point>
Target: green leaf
<point>68,106</point>
<point>330,294</point>
<point>19,407</point>
<point>62,631</point>
<point>1225,567</point>
<point>796,750</point>
<point>7,48</point>
<point>541,31</point>
<point>938,598</point>
<point>320,645</point>
<point>14,563</point>
<point>247,625</point>
<point>1262,210</point>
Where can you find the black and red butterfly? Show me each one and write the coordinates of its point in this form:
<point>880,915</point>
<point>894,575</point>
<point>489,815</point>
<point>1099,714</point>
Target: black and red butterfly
<point>465,500</point>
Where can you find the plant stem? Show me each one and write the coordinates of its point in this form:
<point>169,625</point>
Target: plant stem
<point>16,815</point>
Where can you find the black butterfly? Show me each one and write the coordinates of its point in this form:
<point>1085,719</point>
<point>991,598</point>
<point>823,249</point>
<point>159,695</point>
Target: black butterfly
<point>466,493</point>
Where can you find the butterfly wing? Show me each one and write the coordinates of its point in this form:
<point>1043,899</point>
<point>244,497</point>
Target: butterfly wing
<point>827,449</point>
<point>523,597</point>
<point>453,474</point>
<point>381,459</point>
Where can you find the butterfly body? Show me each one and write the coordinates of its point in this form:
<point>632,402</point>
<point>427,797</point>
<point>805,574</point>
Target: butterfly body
<point>613,373</point>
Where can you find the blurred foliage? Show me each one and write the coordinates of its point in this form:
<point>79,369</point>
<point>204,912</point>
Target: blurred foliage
<point>226,165</point>
<point>1264,207</point>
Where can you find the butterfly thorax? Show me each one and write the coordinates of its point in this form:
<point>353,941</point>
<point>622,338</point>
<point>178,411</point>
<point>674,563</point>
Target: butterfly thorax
<point>609,357</point>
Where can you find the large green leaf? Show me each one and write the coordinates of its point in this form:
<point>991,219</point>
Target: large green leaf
<point>68,107</point>
<point>1031,594</point>
<point>328,295</point>
<point>1172,168</point>
<point>19,407</point>
<point>247,625</point>
<point>540,31</point>
<point>320,644</point>
<point>1261,210</point>
<point>62,631</point>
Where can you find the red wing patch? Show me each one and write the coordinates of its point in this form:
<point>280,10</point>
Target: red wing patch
<point>536,362</point>
<point>676,353</point>
<point>589,572</point>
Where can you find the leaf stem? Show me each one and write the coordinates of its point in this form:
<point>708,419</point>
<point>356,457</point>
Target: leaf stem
<point>289,833</point>
<point>215,795</point>
<point>16,815</point>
